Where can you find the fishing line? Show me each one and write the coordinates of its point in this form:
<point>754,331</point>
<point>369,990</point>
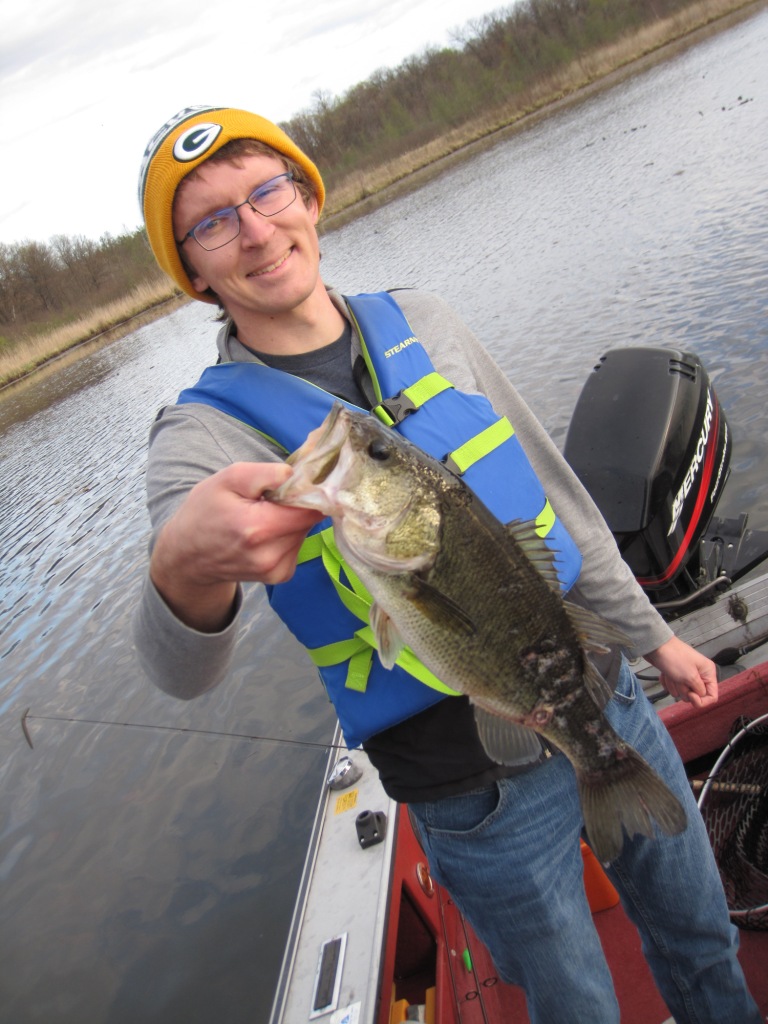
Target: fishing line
<point>27,717</point>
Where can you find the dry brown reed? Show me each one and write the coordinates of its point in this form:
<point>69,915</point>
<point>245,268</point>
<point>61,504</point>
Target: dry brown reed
<point>107,320</point>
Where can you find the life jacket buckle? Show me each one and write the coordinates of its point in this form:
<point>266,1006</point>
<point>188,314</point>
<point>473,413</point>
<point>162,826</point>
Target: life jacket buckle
<point>399,406</point>
<point>451,465</point>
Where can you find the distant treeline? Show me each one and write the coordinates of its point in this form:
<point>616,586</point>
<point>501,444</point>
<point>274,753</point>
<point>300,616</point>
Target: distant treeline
<point>493,59</point>
<point>44,285</point>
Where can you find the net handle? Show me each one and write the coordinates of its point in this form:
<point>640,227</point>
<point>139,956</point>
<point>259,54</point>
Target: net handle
<point>725,754</point>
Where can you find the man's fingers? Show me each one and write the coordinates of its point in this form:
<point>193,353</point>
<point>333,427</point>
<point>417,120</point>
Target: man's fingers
<point>251,479</point>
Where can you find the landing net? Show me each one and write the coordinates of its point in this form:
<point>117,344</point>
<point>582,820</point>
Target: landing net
<point>734,804</point>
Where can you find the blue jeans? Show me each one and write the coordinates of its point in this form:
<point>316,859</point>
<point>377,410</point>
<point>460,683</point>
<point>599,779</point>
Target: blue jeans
<point>509,856</point>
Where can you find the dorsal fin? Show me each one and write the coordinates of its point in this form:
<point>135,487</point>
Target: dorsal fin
<point>523,533</point>
<point>595,633</point>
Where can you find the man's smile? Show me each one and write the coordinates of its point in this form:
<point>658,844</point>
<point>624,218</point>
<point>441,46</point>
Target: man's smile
<point>272,266</point>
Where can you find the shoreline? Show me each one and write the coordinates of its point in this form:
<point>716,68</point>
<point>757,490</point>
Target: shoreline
<point>559,97</point>
<point>152,312</point>
<point>382,185</point>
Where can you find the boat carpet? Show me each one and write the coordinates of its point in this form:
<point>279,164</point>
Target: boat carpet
<point>481,997</point>
<point>465,968</point>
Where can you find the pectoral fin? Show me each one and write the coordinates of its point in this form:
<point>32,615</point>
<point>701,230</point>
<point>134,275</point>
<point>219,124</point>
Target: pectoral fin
<point>599,690</point>
<point>439,609</point>
<point>389,643</point>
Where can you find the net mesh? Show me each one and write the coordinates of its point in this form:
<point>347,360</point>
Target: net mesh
<point>734,805</point>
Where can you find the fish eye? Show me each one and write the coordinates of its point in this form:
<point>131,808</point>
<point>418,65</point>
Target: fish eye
<point>379,450</point>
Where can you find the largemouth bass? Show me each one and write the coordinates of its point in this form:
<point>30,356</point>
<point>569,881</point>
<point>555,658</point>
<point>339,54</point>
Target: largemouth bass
<point>479,604</point>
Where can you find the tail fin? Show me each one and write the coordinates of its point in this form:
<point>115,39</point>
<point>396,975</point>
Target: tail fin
<point>627,797</point>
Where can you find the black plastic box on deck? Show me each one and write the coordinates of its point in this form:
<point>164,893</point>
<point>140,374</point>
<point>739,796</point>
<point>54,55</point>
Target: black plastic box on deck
<point>649,441</point>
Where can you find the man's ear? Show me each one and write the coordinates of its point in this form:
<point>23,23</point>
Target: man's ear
<point>198,282</point>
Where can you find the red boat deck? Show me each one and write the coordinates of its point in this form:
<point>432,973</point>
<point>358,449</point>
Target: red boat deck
<point>434,958</point>
<point>481,997</point>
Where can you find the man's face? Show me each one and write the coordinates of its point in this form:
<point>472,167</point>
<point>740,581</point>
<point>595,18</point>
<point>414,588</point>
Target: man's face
<point>272,267</point>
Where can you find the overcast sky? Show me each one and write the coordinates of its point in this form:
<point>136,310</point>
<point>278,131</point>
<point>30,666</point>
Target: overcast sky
<point>85,83</point>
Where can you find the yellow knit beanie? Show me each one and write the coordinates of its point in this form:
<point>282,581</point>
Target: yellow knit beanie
<point>181,145</point>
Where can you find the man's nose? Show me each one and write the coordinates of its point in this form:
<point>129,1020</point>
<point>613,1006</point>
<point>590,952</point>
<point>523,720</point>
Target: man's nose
<point>254,226</point>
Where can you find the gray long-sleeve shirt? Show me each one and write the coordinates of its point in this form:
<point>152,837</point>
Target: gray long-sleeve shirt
<point>190,442</point>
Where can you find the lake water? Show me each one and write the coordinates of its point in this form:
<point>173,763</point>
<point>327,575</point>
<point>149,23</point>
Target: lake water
<point>150,850</point>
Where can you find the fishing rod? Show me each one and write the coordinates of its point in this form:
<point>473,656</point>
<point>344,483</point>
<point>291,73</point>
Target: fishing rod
<point>27,717</point>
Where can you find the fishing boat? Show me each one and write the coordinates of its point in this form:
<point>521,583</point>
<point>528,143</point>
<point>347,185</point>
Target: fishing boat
<point>374,939</point>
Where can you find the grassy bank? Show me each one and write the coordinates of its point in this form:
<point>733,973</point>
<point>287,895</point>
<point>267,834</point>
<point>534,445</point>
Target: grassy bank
<point>142,305</point>
<point>361,191</point>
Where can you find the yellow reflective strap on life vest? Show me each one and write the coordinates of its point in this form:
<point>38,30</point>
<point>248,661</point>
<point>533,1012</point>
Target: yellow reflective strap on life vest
<point>311,548</point>
<point>322,545</point>
<point>366,355</point>
<point>334,654</point>
<point>356,651</point>
<point>359,670</point>
<point>408,661</point>
<point>394,410</point>
<point>481,444</point>
<point>426,388</point>
<point>545,520</point>
<point>268,437</point>
<point>356,600</point>
<point>386,418</point>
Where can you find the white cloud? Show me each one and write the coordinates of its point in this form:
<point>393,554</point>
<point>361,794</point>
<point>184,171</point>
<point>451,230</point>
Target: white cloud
<point>85,84</point>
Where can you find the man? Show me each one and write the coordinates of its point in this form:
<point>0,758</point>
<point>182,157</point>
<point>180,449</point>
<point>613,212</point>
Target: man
<point>231,207</point>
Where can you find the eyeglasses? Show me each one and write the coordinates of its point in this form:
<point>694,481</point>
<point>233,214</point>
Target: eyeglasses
<point>222,227</point>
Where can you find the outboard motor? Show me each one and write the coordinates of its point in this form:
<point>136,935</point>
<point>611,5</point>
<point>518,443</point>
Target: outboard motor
<point>649,441</point>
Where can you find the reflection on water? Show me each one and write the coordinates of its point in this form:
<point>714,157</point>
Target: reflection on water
<point>149,865</point>
<point>157,857</point>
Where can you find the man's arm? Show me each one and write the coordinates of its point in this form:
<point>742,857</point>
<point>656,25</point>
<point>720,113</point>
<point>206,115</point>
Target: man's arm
<point>211,531</point>
<point>684,673</point>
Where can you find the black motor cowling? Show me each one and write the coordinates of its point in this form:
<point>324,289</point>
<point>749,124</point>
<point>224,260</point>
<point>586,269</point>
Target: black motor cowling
<point>649,441</point>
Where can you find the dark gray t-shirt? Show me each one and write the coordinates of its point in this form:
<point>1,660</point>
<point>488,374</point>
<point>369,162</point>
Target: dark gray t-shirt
<point>329,368</point>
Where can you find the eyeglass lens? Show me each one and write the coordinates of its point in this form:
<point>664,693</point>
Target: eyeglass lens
<point>221,227</point>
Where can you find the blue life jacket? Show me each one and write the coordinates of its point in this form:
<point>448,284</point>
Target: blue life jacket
<point>325,605</point>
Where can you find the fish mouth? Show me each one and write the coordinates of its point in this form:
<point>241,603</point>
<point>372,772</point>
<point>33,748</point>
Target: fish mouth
<point>327,468</point>
<point>319,454</point>
<point>314,463</point>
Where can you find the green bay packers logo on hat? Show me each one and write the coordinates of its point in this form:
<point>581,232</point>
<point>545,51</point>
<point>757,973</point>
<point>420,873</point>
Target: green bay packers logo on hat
<point>155,144</point>
<point>195,141</point>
